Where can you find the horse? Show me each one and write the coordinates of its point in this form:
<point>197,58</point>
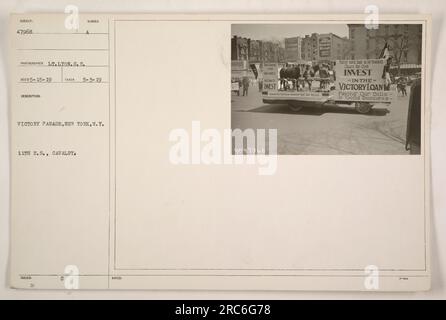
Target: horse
<point>292,72</point>
<point>308,75</point>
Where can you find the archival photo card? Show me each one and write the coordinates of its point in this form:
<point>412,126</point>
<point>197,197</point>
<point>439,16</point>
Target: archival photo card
<point>219,152</point>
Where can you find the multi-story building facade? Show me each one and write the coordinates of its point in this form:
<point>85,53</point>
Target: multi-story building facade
<point>240,48</point>
<point>255,51</point>
<point>314,47</point>
<point>340,47</point>
<point>404,42</point>
<point>293,49</point>
<point>324,47</point>
<point>310,47</point>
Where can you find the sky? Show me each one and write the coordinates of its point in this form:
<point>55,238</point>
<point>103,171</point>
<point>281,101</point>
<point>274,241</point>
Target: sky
<point>281,31</point>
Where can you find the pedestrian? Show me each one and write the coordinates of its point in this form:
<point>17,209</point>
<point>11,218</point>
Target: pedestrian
<point>308,75</point>
<point>260,84</point>
<point>402,83</point>
<point>245,84</point>
<point>386,74</point>
<point>332,77</point>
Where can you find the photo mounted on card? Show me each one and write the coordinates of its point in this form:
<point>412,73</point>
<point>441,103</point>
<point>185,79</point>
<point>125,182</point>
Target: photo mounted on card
<point>328,88</point>
<point>220,152</point>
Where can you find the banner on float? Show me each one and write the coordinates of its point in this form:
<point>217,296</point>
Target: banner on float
<point>361,80</point>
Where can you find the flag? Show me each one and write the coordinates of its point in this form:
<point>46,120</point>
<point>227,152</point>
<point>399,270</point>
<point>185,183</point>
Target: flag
<point>254,70</point>
<point>385,54</point>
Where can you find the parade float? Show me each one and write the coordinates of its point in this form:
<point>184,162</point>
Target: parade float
<point>351,83</point>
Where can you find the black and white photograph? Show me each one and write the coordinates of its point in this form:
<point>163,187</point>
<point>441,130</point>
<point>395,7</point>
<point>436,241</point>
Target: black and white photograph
<point>284,150</point>
<point>348,89</point>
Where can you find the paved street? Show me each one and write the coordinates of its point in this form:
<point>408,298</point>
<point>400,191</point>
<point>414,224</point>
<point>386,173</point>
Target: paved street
<point>327,130</point>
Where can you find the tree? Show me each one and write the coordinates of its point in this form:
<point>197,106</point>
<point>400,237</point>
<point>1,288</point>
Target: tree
<point>399,46</point>
<point>400,43</point>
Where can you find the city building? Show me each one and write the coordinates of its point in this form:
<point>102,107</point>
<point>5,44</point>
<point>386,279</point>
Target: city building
<point>315,48</point>
<point>324,47</point>
<point>340,47</point>
<point>255,51</point>
<point>270,51</point>
<point>293,49</point>
<point>310,47</point>
<point>404,42</point>
<point>239,48</point>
